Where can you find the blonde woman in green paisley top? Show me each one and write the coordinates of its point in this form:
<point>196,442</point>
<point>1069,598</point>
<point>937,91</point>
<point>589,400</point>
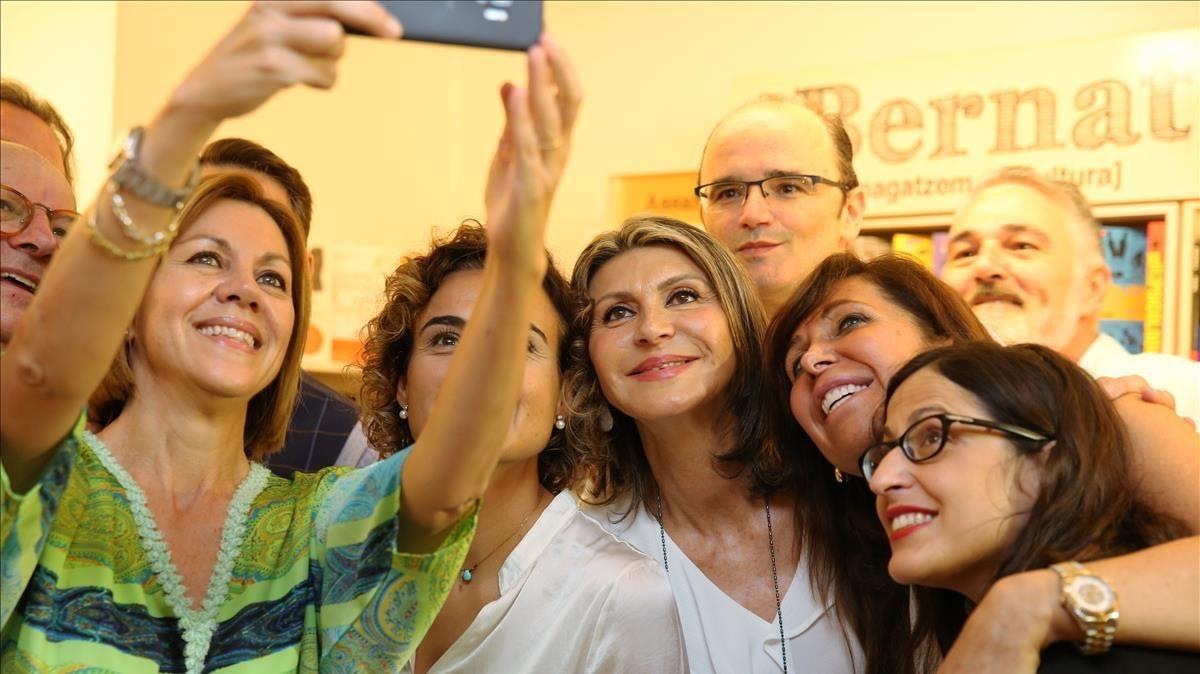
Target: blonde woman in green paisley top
<point>161,543</point>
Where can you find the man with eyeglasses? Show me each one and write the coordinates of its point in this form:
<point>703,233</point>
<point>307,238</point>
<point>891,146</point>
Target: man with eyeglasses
<point>37,203</point>
<point>778,188</point>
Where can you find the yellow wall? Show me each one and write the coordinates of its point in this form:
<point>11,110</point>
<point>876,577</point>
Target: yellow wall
<point>402,143</point>
<point>66,52</point>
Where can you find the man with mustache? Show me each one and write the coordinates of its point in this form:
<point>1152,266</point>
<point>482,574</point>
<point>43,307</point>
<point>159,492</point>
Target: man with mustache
<point>1025,253</point>
<point>777,187</point>
<point>37,199</point>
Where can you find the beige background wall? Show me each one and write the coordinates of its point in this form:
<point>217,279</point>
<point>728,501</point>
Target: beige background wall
<point>66,51</point>
<point>402,143</point>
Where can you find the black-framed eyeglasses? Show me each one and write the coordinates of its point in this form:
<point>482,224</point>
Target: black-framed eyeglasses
<point>731,194</point>
<point>17,210</point>
<point>926,438</point>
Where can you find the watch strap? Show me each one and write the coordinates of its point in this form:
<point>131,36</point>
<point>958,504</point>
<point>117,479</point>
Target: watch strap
<point>1099,629</point>
<point>130,175</point>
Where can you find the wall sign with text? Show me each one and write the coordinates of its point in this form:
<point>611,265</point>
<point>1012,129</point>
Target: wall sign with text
<point>1116,116</point>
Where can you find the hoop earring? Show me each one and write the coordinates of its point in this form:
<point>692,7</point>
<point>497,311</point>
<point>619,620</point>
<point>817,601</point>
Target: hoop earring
<point>403,411</point>
<point>838,476</point>
<point>559,422</point>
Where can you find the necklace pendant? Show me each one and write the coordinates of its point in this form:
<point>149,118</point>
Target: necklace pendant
<point>466,575</point>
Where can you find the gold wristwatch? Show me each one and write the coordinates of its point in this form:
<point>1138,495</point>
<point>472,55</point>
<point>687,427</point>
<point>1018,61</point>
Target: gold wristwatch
<point>1092,603</point>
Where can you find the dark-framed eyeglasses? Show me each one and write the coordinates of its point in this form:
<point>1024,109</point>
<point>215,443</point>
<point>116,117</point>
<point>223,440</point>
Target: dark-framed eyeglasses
<point>926,438</point>
<point>17,210</point>
<point>731,194</point>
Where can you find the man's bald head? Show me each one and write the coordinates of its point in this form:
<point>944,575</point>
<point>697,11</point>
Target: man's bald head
<point>778,107</point>
<point>781,240</point>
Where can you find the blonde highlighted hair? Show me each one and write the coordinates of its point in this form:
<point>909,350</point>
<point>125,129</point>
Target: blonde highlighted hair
<point>270,410</point>
<point>611,455</point>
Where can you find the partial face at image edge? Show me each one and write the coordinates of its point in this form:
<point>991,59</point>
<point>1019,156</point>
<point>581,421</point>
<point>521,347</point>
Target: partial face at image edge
<point>25,255</point>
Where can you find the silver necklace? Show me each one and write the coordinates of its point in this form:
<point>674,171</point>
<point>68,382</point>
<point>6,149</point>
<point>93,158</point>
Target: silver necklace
<point>662,539</point>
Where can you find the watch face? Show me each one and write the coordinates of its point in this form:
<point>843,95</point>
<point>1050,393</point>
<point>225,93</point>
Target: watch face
<point>126,147</point>
<point>1091,594</point>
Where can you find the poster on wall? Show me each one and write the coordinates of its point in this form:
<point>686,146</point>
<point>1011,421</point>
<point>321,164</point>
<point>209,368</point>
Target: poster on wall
<point>666,194</point>
<point>348,286</point>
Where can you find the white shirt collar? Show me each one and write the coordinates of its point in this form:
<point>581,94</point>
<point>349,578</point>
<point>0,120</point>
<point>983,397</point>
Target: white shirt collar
<point>556,515</point>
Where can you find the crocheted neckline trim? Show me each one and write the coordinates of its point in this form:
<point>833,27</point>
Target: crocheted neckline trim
<point>198,626</point>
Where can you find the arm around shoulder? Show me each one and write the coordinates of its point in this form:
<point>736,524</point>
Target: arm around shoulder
<point>1165,458</point>
<point>1022,614</point>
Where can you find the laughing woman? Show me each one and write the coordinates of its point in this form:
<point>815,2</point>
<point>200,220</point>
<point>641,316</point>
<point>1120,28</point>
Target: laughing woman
<point>832,350</point>
<point>161,543</point>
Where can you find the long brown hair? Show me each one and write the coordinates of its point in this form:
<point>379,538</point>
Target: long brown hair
<point>839,532</point>
<point>389,342</point>
<point>1086,506</point>
<point>270,410</point>
<point>613,455</point>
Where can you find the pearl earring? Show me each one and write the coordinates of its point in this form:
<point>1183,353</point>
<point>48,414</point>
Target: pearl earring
<point>403,411</point>
<point>839,476</point>
<point>560,423</point>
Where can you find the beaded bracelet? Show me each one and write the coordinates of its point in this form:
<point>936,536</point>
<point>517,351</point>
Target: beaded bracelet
<point>116,251</point>
<point>130,230</point>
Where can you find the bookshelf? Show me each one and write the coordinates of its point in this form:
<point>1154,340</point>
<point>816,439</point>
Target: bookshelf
<point>1127,223</point>
<point>1188,327</point>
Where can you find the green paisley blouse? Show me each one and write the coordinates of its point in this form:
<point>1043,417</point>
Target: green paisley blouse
<point>308,577</point>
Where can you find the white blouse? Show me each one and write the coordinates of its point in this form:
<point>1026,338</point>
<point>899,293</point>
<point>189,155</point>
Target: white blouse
<point>721,635</point>
<point>573,598</point>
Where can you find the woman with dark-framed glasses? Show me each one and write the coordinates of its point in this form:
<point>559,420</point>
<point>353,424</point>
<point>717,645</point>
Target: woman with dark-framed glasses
<point>927,437</point>
<point>1008,459</point>
<point>831,352</point>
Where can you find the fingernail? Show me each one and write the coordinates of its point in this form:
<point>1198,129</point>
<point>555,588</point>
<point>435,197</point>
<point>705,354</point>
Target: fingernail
<point>394,27</point>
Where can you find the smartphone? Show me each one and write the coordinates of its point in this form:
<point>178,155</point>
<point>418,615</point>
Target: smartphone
<point>495,24</point>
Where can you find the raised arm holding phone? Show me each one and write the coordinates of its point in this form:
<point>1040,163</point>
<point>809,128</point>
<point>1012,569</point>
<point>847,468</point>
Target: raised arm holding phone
<point>176,549</point>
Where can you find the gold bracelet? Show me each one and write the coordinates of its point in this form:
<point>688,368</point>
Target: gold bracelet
<point>116,251</point>
<point>130,230</point>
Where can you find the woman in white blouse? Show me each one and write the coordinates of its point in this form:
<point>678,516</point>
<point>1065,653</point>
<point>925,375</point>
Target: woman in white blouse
<point>543,587</point>
<point>670,347</point>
